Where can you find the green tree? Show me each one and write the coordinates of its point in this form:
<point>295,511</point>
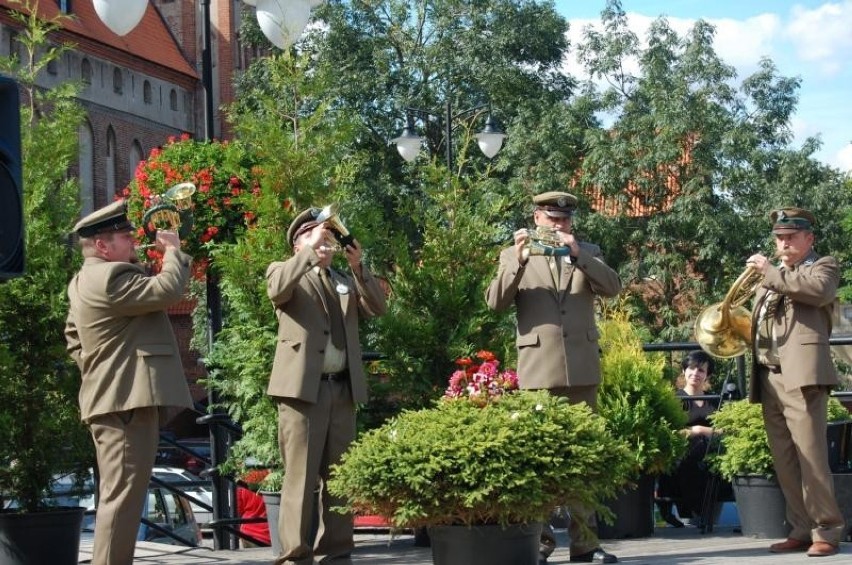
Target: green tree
<point>442,226</point>
<point>704,158</point>
<point>40,429</point>
<point>319,119</point>
<point>300,145</point>
<point>681,121</point>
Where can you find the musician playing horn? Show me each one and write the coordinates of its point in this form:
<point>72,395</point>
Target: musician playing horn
<point>119,334</point>
<point>316,381</point>
<point>557,336</point>
<point>792,377</point>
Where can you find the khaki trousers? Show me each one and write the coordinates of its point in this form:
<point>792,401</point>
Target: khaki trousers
<point>312,437</point>
<point>126,446</point>
<point>583,524</point>
<point>796,426</point>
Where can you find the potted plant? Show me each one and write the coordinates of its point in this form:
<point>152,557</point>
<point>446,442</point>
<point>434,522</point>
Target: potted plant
<point>745,459</point>
<point>41,435</point>
<point>485,460</point>
<point>640,407</point>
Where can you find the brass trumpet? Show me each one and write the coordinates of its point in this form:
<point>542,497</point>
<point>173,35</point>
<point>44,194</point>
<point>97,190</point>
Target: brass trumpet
<point>170,211</point>
<point>544,240</point>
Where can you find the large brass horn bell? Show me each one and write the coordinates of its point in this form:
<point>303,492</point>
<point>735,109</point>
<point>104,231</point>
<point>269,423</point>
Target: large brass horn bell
<point>170,211</point>
<point>328,215</point>
<point>724,330</point>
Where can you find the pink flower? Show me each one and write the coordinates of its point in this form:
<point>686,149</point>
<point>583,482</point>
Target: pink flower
<point>482,383</point>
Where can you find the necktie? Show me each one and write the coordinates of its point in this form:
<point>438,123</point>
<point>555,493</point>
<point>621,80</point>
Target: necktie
<point>338,331</point>
<point>555,269</point>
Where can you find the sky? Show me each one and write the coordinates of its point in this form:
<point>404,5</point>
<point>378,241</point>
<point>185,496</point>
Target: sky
<point>808,39</point>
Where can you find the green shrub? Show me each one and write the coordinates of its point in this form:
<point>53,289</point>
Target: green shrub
<point>745,446</point>
<point>512,461</point>
<point>637,401</point>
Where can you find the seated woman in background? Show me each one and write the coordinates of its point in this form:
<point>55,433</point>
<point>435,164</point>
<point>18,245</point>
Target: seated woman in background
<point>687,484</point>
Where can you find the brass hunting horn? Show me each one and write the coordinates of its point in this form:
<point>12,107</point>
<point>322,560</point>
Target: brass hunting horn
<point>724,329</point>
<point>170,211</point>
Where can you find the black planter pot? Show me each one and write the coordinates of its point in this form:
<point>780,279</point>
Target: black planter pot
<point>485,545</point>
<point>36,538</point>
<point>761,507</point>
<point>634,512</point>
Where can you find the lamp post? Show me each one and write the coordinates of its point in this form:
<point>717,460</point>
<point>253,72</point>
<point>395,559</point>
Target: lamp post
<point>282,21</point>
<point>408,144</point>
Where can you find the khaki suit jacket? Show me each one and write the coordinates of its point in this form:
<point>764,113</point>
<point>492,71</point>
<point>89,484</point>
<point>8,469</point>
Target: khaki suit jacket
<point>120,336</point>
<point>803,324</point>
<point>304,324</point>
<point>557,336</point>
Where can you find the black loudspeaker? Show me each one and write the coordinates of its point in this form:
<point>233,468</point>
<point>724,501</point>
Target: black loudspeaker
<point>11,182</point>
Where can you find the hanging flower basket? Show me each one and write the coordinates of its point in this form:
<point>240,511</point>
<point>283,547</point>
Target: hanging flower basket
<point>227,182</point>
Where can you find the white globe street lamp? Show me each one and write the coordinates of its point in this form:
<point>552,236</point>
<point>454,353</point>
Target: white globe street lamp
<point>490,139</point>
<point>408,144</point>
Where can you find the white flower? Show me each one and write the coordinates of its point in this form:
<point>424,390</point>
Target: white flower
<point>539,407</point>
<point>516,415</point>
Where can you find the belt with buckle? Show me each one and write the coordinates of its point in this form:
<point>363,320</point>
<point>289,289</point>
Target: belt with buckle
<point>339,376</point>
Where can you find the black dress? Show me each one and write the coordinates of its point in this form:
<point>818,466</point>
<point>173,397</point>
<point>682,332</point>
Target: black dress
<point>686,485</point>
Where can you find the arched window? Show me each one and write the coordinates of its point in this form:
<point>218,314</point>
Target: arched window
<point>87,168</point>
<point>14,44</point>
<point>86,71</point>
<point>173,100</point>
<point>135,156</point>
<point>146,92</point>
<point>117,81</point>
<point>111,163</point>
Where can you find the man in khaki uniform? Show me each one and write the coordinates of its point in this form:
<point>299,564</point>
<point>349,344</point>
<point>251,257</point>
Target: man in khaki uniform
<point>792,376</point>
<point>132,378</point>
<point>317,379</point>
<point>557,337</point>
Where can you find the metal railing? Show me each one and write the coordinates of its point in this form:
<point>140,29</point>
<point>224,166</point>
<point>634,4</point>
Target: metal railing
<point>741,374</point>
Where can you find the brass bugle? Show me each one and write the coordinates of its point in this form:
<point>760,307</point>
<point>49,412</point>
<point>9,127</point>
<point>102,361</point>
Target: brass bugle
<point>329,216</point>
<point>170,211</point>
<point>332,246</point>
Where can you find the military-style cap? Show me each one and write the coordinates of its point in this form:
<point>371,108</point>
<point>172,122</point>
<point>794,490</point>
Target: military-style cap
<point>556,204</point>
<point>302,223</point>
<point>109,219</point>
<point>791,220</point>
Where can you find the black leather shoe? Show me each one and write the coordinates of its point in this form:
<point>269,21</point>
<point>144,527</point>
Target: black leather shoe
<point>595,556</point>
